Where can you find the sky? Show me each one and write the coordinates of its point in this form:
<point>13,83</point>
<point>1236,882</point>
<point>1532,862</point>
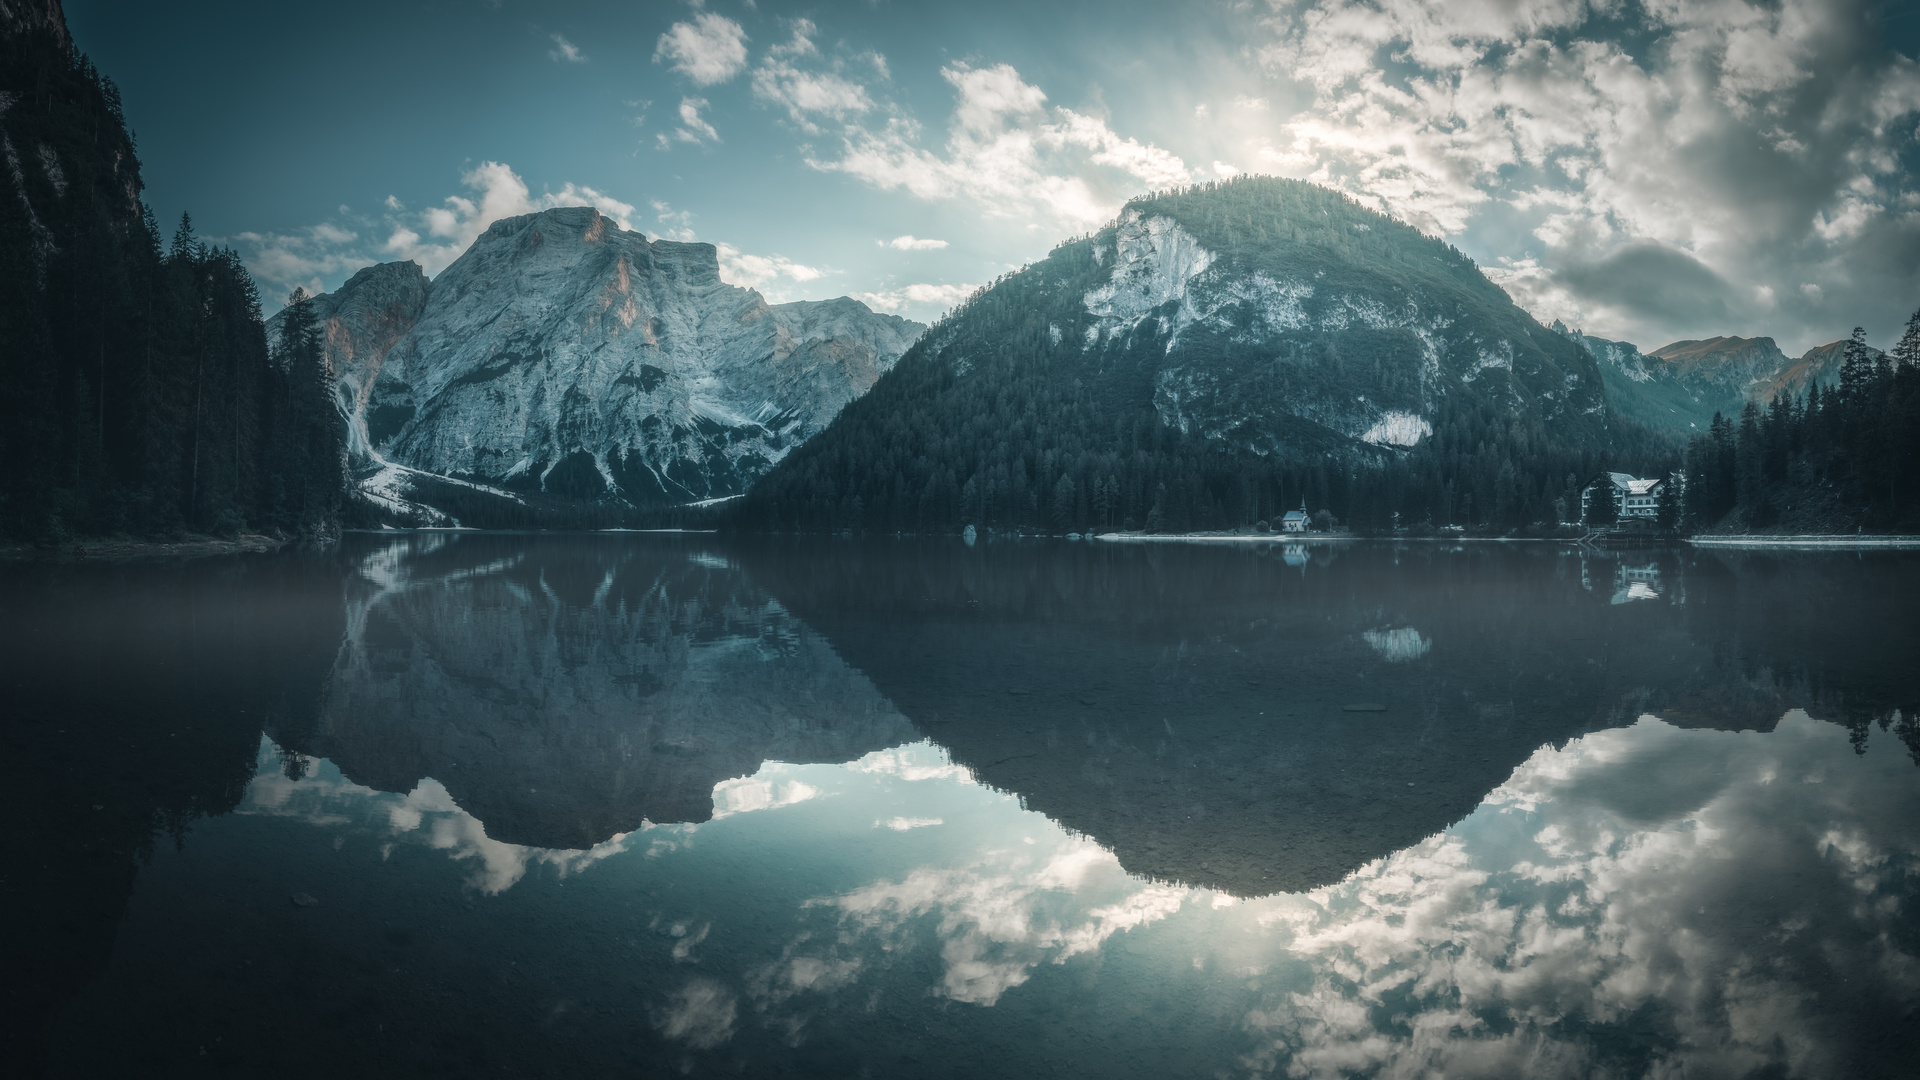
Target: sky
<point>1645,170</point>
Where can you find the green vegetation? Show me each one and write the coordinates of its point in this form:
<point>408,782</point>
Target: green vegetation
<point>137,391</point>
<point>1846,458</point>
<point>1003,417</point>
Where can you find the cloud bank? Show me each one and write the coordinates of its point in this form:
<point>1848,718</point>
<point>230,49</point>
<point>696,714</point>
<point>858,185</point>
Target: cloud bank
<point>1647,170</point>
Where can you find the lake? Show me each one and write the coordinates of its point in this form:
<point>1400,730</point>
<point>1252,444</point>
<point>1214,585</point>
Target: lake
<point>461,804</point>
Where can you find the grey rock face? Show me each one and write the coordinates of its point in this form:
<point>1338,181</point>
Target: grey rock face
<point>564,357</point>
<point>1252,353</point>
<point>361,323</point>
<point>1729,365</point>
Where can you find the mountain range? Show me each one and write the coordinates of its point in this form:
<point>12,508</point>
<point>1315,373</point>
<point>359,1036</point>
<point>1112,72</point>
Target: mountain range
<point>563,359</point>
<point>1678,387</point>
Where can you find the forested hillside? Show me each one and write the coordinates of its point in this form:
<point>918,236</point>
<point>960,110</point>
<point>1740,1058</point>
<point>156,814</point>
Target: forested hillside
<point>1212,359</point>
<point>1832,460</point>
<point>138,394</point>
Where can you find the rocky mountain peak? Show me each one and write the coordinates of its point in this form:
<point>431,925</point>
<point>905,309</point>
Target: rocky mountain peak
<point>563,359</point>
<point>1733,363</point>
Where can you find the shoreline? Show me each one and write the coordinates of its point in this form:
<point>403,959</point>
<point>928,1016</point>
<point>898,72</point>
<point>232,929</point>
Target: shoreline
<point>1811,542</point>
<point>1224,538</point>
<point>126,550</point>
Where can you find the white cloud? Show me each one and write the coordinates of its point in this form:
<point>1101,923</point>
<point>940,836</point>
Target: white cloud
<point>566,51</point>
<point>710,49</point>
<point>1757,140</point>
<point>913,243</point>
<point>808,95</point>
<point>434,237</point>
<point>761,271</point>
<point>676,224</point>
<point>926,297</point>
<point>1019,909</point>
<point>701,1014</point>
<point>758,792</point>
<point>427,816</point>
<point>915,762</point>
<point>1011,154</point>
<point>304,258</point>
<point>693,127</point>
<point>1612,879</point>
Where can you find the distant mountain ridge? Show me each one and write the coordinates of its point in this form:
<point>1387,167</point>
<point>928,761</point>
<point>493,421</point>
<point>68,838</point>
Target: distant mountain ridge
<point>1678,387</point>
<point>562,359</point>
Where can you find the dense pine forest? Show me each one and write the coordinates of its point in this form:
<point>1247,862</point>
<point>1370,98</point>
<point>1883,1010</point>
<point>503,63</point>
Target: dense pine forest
<point>138,392</point>
<point>1846,458</point>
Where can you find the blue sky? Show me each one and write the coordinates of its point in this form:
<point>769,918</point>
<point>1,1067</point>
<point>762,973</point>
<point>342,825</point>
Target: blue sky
<point>1647,170</point>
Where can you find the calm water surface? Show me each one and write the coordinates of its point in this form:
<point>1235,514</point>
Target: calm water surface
<point>659,805</point>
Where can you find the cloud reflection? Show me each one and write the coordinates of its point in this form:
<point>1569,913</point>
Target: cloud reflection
<point>427,815</point>
<point>1738,931</point>
<point>1649,901</point>
<point>1016,910</point>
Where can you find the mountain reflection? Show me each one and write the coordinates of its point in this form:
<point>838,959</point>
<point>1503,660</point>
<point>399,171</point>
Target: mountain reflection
<point>1255,721</point>
<point>1252,720</point>
<point>565,690</point>
<point>1297,808</point>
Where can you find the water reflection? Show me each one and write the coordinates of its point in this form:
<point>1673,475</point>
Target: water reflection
<point>1217,717</point>
<point>577,805</point>
<point>426,816</point>
<point>1646,900</point>
<point>134,698</point>
<point>563,692</point>
<point>1643,901</point>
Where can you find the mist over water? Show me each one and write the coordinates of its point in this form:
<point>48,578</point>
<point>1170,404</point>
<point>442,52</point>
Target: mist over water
<point>456,804</point>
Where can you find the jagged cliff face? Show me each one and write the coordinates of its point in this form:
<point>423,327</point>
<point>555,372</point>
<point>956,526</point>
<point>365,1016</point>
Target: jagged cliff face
<point>361,322</point>
<point>1728,365</point>
<point>563,695</point>
<point>565,358</point>
<point>1256,349</point>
